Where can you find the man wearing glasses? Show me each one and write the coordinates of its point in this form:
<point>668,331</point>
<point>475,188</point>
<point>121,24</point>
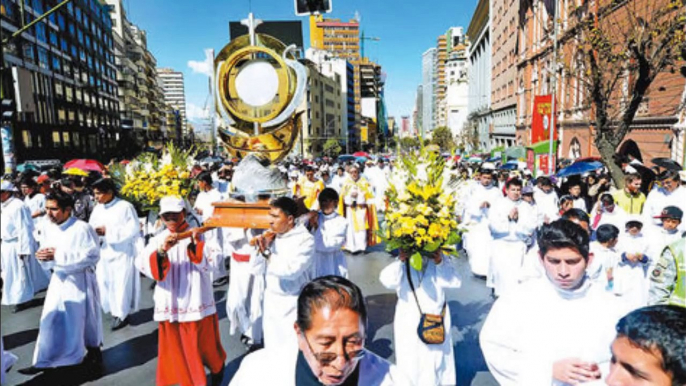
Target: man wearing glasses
<point>331,329</point>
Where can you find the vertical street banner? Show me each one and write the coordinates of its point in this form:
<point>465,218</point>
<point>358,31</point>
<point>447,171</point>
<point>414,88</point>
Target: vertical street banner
<point>531,160</point>
<point>7,149</point>
<point>541,121</point>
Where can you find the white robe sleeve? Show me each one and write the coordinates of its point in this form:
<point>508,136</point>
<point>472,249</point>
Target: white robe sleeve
<point>24,231</point>
<point>333,237</point>
<point>501,344</point>
<point>526,224</point>
<point>84,253</point>
<point>297,260</point>
<point>143,258</point>
<point>211,256</point>
<point>446,274</point>
<point>498,219</point>
<point>392,276</point>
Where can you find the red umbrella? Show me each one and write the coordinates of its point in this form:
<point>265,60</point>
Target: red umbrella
<point>125,162</point>
<point>85,164</point>
<point>362,154</point>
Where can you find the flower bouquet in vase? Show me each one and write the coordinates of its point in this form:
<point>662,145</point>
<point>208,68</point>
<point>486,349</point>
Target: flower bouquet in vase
<point>420,217</point>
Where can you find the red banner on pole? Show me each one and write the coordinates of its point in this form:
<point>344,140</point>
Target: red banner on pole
<point>542,120</point>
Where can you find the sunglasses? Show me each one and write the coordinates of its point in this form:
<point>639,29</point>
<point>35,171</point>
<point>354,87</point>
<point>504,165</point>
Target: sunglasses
<point>326,358</point>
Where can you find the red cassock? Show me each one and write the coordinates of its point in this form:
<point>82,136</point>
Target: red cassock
<point>186,348</point>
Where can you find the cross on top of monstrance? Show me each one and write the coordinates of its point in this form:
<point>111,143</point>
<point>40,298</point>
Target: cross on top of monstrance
<point>252,25</point>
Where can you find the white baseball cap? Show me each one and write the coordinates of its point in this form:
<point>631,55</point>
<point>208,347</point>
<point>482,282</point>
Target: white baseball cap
<point>171,204</point>
<point>8,186</point>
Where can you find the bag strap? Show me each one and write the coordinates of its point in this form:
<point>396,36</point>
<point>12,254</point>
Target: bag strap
<point>409,278</point>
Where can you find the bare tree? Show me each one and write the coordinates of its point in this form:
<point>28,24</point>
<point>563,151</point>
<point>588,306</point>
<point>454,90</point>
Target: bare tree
<point>618,49</point>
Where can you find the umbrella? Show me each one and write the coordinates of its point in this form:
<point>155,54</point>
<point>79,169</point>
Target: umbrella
<point>125,162</point>
<point>665,163</point>
<point>75,172</point>
<point>587,159</point>
<point>510,165</point>
<point>474,159</point>
<point>494,159</point>
<point>361,154</point>
<point>361,159</point>
<point>579,168</point>
<point>346,158</point>
<point>22,168</point>
<point>85,164</point>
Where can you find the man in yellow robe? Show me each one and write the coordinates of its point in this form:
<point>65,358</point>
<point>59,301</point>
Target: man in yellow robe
<point>357,206</point>
<point>309,187</point>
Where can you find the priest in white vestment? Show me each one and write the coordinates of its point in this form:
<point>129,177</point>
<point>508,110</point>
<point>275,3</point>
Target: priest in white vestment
<point>71,323</point>
<point>245,295</point>
<point>425,364</point>
<point>116,222</point>
<point>329,230</point>
<point>331,334</point>
<point>512,222</point>
<point>289,248</point>
<point>556,329</point>
<point>482,197</point>
<point>22,276</point>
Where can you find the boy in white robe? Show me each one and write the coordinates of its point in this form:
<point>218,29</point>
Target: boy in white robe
<point>557,329</point>
<point>34,200</point>
<point>512,223</point>
<point>180,260</point>
<point>331,315</point>
<point>116,222</point>
<point>424,364</point>
<point>482,197</point>
<point>290,252</point>
<point>547,200</point>
<point>245,295</point>
<point>22,276</point>
<point>71,323</point>
<point>605,256</point>
<point>203,207</point>
<point>329,230</point>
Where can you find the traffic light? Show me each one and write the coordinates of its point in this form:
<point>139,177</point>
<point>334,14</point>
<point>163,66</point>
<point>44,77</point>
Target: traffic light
<point>8,110</point>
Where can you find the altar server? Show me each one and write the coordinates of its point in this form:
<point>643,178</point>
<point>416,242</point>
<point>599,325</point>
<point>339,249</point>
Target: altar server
<point>71,323</point>
<point>185,309</point>
<point>478,239</point>
<point>329,230</point>
<point>116,222</point>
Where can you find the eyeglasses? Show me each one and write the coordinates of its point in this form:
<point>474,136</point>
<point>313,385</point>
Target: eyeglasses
<point>326,358</point>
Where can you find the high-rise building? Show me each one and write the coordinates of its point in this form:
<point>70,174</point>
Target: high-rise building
<point>61,73</point>
<point>324,111</point>
<point>342,70</point>
<point>428,94</point>
<point>504,73</point>
<point>456,102</point>
<point>174,94</point>
<point>405,128</point>
<point>140,96</point>
<point>441,59</point>
<point>341,39</point>
<point>417,113</point>
<point>480,72</point>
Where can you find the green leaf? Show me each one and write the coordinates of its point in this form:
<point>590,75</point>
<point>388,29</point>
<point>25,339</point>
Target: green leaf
<point>416,261</point>
<point>433,247</point>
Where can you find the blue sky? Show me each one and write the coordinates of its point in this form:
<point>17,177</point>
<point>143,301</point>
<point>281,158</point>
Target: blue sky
<point>180,30</point>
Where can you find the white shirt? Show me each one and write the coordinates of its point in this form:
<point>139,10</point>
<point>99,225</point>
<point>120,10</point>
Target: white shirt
<point>538,324</point>
<point>277,367</point>
<point>548,203</point>
<point>185,294</point>
<point>480,194</point>
<point>329,239</point>
<point>17,226</point>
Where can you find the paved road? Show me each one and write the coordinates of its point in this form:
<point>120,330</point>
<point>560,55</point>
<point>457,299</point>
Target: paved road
<point>130,355</point>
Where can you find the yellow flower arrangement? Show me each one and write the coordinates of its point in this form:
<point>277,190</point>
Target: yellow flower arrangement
<point>148,178</point>
<point>419,217</point>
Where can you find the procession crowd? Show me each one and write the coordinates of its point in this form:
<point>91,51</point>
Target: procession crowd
<point>589,279</point>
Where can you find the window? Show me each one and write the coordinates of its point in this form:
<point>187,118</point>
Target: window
<point>59,91</point>
<point>56,141</point>
<point>78,13</point>
<point>43,57</point>
<point>8,9</point>
<point>64,46</point>
<point>29,55</point>
<point>56,63</point>
<point>40,32</point>
<point>26,139</point>
<point>77,139</point>
<point>68,92</point>
<point>38,6</point>
<point>61,116</point>
<point>60,21</point>
<point>79,33</point>
<point>71,28</point>
<point>65,139</point>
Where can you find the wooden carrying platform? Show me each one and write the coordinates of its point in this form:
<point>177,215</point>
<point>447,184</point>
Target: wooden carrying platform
<point>238,214</point>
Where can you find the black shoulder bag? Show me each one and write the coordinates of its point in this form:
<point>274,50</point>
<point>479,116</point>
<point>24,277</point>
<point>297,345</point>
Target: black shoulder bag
<point>431,329</point>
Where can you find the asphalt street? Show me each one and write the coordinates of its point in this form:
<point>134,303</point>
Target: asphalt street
<point>130,354</point>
